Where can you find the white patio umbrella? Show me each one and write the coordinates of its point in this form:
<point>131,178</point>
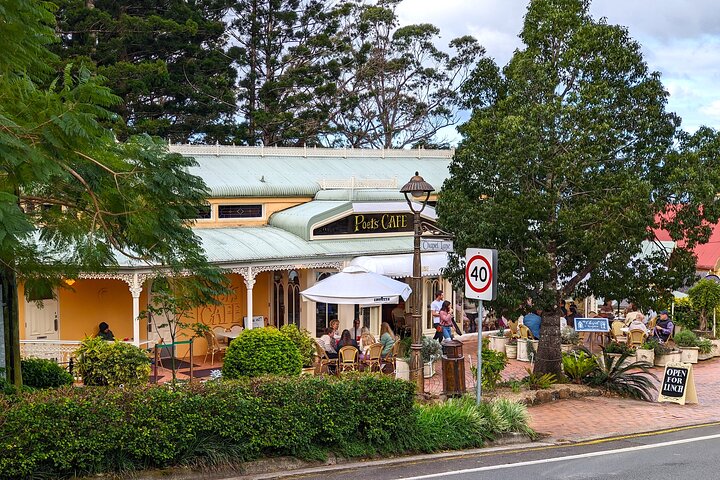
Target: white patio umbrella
<point>355,285</point>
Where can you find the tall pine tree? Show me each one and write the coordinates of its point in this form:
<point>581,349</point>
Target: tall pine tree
<point>166,59</point>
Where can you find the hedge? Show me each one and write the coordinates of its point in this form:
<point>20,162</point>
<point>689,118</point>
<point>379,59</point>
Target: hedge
<point>261,351</point>
<point>84,431</point>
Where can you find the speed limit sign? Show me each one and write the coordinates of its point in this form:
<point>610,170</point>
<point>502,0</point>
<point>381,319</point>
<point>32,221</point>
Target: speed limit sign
<point>481,273</point>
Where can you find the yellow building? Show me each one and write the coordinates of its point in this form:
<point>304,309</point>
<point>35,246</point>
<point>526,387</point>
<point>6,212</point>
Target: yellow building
<point>278,220</point>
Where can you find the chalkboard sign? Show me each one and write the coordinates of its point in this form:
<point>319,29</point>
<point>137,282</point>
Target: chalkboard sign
<point>678,385</point>
<point>599,324</point>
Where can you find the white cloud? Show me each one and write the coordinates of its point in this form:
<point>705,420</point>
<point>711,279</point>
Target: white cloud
<point>712,109</point>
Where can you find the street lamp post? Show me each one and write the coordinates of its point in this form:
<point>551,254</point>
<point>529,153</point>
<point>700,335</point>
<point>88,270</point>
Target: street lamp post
<point>417,187</point>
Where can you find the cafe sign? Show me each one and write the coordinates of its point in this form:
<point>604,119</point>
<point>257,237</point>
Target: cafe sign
<point>678,384</point>
<point>367,224</point>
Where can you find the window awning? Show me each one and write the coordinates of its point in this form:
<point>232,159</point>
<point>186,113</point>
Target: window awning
<point>401,266</point>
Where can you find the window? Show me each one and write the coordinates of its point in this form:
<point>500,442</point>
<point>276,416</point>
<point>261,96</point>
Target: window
<point>293,298</point>
<point>324,312</point>
<point>363,313</point>
<point>278,301</point>
<point>204,212</point>
<point>240,211</point>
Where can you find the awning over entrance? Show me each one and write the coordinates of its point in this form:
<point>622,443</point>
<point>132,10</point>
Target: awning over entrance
<point>401,266</point>
<point>356,285</point>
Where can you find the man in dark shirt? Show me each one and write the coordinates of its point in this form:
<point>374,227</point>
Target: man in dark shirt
<point>105,333</point>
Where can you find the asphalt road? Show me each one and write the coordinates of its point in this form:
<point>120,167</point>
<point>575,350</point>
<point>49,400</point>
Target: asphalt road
<point>683,453</point>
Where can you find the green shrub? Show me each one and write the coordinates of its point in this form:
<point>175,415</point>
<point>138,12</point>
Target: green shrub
<point>303,341</point>
<point>100,362</point>
<point>535,381</point>
<point>41,373</point>
<point>79,431</point>
<point>431,349</point>
<point>261,351</point>
<point>686,338</point>
<point>578,364</point>
<point>569,336</point>
<point>617,347</point>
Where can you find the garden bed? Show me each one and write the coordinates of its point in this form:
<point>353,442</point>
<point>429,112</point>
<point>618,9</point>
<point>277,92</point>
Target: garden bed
<point>559,391</point>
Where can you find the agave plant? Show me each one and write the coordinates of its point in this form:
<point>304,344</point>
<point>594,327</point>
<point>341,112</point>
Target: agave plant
<point>579,365</point>
<point>626,379</point>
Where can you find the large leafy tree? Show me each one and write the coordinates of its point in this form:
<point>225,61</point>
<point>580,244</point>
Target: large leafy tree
<point>166,59</point>
<point>288,57</point>
<point>568,164</point>
<point>71,197</point>
<point>397,88</point>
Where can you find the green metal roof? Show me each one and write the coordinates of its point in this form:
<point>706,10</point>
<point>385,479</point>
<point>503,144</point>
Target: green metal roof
<point>298,220</point>
<point>285,172</point>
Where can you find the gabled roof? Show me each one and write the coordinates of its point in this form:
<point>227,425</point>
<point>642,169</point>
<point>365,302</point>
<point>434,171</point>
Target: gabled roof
<point>286,172</point>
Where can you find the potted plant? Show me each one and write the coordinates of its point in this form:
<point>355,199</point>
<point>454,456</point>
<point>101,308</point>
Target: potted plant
<point>688,343</point>
<point>402,362</point>
<point>511,348</point>
<point>498,340</point>
<point>646,352</point>
<point>665,354</point>
<point>431,351</point>
<point>568,339</point>
<point>526,349</point>
<point>705,347</point>
<point>619,350</point>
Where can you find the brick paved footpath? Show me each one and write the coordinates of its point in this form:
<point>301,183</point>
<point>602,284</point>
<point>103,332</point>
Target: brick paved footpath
<point>598,417</point>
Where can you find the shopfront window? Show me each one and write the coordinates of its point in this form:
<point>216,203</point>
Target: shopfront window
<point>324,312</point>
<point>363,313</point>
<point>293,298</point>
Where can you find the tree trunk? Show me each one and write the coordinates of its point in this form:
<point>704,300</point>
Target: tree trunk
<point>11,324</point>
<point>548,358</point>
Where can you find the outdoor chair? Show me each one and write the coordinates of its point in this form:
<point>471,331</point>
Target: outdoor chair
<point>325,361</point>
<point>235,328</point>
<point>636,338</point>
<point>616,331</point>
<point>374,357</point>
<point>348,359</point>
<point>651,323</point>
<point>525,333</point>
<point>513,326</point>
<point>213,346</point>
<point>220,333</point>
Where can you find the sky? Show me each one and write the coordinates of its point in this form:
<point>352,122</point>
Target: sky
<point>679,38</point>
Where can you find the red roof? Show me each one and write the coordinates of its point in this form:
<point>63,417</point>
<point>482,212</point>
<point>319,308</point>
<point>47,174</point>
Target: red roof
<point>708,254</point>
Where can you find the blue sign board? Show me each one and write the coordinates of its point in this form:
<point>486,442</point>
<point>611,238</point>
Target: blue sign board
<point>592,325</point>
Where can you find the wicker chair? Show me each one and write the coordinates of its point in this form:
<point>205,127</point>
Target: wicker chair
<point>348,359</point>
<point>525,333</point>
<point>636,338</point>
<point>374,357</point>
<point>213,346</point>
<point>390,358</point>
<point>513,326</point>
<point>220,333</point>
<point>323,359</point>
<point>616,331</point>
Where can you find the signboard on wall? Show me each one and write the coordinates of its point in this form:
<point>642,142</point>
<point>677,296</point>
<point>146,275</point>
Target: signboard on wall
<point>367,224</point>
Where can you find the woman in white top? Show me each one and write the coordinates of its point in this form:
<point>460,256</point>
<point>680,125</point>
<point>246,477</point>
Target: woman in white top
<point>638,324</point>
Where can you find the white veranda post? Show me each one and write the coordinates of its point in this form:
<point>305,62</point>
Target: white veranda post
<point>249,284</point>
<point>135,291</point>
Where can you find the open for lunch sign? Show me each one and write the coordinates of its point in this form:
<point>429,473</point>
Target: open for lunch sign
<point>678,385</point>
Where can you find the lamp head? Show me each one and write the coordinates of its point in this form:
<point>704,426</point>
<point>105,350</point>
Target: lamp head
<point>417,187</point>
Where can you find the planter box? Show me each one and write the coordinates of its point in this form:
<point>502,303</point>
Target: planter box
<point>497,343</point>
<point>643,355</point>
<point>716,348</point>
<point>705,356</point>
<point>522,351</point>
<point>662,360</point>
<point>511,350</point>
<point>428,369</point>
<point>402,369</point>
<point>689,354</point>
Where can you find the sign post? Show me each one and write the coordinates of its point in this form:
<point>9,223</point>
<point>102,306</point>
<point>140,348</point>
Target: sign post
<point>678,384</point>
<point>480,284</point>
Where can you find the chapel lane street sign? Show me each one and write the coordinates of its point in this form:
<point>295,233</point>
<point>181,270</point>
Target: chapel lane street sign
<point>435,245</point>
<point>481,273</point>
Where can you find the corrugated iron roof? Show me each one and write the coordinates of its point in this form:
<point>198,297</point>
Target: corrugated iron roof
<point>284,172</point>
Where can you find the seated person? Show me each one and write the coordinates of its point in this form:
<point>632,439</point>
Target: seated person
<point>533,320</point>
<point>346,340</point>
<point>105,333</point>
<point>366,339</point>
<point>387,338</point>
<point>355,331</point>
<point>637,323</point>
<point>663,327</point>
<point>327,342</point>
<point>335,325</point>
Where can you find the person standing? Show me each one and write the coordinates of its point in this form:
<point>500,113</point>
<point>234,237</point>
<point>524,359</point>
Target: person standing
<point>446,320</point>
<point>435,308</point>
